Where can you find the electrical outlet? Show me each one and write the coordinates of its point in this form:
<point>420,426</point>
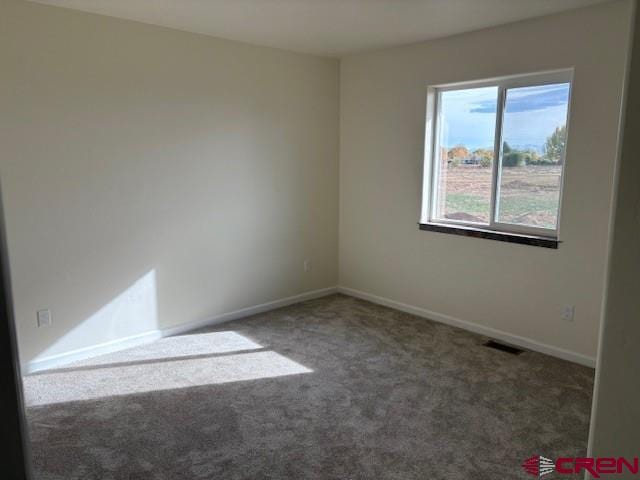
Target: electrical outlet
<point>44,318</point>
<point>306,265</point>
<point>568,313</point>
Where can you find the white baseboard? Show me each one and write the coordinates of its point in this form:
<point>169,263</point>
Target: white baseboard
<point>61,359</point>
<point>475,327</point>
<point>246,312</point>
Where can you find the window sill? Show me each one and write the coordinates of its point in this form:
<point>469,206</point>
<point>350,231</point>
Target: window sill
<point>533,240</point>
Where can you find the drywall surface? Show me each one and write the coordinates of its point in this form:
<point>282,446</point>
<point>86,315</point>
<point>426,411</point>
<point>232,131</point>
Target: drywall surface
<point>154,177</point>
<point>519,290</point>
<point>616,413</point>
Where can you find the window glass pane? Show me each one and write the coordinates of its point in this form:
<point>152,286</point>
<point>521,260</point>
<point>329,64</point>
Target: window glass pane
<point>466,136</point>
<point>533,134</point>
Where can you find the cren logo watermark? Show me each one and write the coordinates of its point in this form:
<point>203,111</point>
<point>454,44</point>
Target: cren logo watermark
<point>538,466</point>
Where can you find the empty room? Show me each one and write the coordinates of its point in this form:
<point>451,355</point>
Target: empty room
<point>318,239</point>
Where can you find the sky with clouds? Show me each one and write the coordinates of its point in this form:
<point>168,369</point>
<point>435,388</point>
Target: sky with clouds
<point>531,114</point>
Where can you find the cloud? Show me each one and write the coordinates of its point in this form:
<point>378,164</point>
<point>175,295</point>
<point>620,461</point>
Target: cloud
<point>486,106</point>
<point>528,99</point>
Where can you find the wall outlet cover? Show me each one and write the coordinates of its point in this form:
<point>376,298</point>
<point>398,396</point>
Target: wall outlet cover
<point>568,313</point>
<point>44,318</point>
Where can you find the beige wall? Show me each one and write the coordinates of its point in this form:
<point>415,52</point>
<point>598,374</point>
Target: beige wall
<point>154,178</point>
<point>616,413</point>
<point>519,290</point>
<point>143,165</point>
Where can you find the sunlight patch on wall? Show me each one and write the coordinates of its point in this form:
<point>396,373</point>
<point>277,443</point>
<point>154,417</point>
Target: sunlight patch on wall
<point>132,312</point>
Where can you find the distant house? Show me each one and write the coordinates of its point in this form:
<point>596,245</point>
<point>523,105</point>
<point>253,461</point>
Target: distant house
<point>472,159</point>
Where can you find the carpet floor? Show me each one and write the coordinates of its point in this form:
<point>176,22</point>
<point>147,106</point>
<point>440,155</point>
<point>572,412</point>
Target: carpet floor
<point>334,388</point>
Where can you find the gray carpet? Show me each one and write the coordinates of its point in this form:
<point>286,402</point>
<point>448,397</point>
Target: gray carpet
<point>335,388</point>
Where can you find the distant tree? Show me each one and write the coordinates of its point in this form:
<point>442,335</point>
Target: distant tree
<point>512,157</point>
<point>485,156</point>
<point>554,145</point>
<point>515,158</point>
<point>458,152</point>
<point>531,157</point>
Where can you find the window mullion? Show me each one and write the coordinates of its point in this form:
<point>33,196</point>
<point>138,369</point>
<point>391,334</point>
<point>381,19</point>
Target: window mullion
<point>435,159</point>
<point>497,151</point>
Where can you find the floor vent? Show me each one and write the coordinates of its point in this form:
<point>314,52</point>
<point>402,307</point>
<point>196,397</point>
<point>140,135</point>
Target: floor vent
<point>503,348</point>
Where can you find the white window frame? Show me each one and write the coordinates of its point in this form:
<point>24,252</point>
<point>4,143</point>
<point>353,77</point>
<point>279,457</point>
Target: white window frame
<point>431,170</point>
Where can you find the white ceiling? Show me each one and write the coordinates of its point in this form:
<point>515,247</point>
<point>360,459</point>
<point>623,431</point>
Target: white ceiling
<point>325,27</point>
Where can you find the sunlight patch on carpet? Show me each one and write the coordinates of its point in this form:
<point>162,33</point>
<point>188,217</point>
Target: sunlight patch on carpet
<point>127,379</point>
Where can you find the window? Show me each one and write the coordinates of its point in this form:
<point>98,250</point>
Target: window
<point>495,155</point>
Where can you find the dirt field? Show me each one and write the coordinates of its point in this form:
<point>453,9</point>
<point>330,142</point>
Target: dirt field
<point>528,195</point>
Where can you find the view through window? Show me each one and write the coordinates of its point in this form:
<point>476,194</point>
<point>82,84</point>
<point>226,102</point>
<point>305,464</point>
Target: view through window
<point>497,154</point>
